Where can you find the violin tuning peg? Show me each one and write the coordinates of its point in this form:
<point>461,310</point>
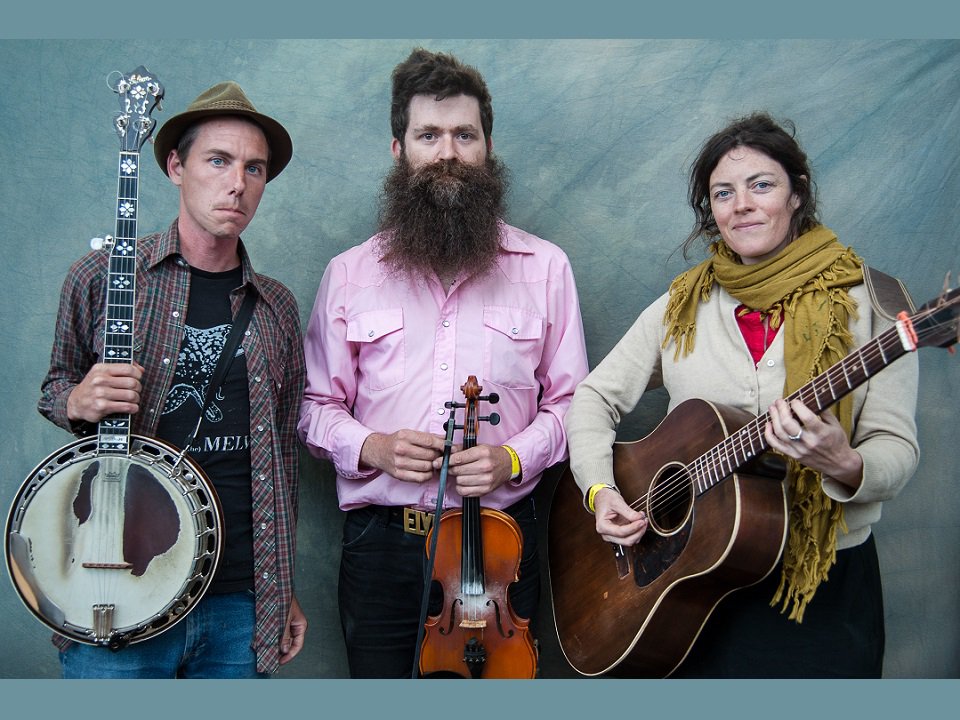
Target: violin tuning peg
<point>493,398</point>
<point>494,419</point>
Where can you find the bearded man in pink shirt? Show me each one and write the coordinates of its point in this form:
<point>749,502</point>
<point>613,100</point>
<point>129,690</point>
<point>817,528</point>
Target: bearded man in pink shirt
<point>446,289</point>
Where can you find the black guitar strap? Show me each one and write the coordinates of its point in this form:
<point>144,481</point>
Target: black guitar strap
<point>240,323</point>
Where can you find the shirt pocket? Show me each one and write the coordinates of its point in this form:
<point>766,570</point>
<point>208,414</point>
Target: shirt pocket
<point>380,337</point>
<point>512,346</point>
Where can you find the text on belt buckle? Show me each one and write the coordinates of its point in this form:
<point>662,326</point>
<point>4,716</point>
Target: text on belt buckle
<point>416,521</point>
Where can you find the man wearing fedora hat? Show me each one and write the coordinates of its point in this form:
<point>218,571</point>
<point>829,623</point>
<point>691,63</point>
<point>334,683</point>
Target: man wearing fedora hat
<point>192,279</point>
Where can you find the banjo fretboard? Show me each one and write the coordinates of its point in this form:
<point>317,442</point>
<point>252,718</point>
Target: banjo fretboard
<point>139,93</point>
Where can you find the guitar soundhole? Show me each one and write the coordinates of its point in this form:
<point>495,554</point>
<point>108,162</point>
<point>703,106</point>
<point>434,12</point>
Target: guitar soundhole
<point>669,505</point>
<point>670,500</point>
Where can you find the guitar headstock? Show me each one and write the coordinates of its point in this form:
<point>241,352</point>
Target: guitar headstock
<point>140,92</point>
<point>937,323</point>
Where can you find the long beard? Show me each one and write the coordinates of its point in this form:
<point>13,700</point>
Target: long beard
<point>443,218</point>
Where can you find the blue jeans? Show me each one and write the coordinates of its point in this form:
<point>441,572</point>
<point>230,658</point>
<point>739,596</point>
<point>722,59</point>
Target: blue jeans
<point>214,641</point>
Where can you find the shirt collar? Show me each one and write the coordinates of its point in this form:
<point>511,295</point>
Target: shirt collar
<point>513,241</point>
<point>168,246</point>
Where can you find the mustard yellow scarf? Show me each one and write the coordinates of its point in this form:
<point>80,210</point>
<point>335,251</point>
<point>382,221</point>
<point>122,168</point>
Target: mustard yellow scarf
<point>807,282</point>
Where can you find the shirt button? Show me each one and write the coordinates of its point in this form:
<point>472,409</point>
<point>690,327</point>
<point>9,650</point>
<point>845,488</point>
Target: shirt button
<point>166,361</point>
<point>371,333</point>
<point>771,363</point>
<point>263,526</point>
<point>247,333</point>
<point>515,330</point>
<point>256,378</point>
<point>259,428</point>
<point>443,366</point>
<point>446,323</point>
<point>266,576</point>
<point>176,313</point>
<point>440,411</point>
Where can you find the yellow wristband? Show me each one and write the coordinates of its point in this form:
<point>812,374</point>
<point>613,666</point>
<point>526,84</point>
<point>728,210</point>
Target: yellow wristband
<point>592,494</point>
<point>514,462</point>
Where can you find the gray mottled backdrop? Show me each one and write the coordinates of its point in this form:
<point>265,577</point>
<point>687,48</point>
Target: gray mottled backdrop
<point>598,136</point>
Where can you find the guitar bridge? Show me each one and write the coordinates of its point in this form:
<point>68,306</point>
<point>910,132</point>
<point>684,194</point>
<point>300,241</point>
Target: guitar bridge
<point>623,564</point>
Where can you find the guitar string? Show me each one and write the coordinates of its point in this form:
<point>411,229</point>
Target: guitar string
<point>121,293</point>
<point>678,490</point>
<point>710,468</point>
<point>666,497</point>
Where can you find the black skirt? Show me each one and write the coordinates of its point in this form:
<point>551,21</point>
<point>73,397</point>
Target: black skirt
<point>841,636</point>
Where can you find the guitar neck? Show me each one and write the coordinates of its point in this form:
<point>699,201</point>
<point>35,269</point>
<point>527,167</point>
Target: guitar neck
<point>114,430</point>
<point>818,395</point>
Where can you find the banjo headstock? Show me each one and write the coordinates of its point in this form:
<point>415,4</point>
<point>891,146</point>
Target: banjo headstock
<point>140,92</point>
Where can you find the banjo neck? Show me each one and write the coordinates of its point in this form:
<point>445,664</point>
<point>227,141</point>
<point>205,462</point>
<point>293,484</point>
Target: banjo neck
<point>139,93</point>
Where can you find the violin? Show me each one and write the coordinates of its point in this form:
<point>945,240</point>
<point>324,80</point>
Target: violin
<point>476,634</point>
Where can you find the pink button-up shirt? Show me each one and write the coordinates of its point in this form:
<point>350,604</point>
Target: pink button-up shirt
<point>385,353</point>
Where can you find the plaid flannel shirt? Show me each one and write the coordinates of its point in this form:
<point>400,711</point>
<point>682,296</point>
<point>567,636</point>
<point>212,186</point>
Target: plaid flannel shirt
<point>274,354</point>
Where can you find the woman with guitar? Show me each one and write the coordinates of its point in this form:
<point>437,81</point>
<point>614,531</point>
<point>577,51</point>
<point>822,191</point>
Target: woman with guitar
<point>778,301</point>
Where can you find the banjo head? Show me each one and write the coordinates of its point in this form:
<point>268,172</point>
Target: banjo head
<point>113,549</point>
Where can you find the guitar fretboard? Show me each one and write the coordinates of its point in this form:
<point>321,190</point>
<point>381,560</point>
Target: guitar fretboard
<point>114,431</point>
<point>818,394</point>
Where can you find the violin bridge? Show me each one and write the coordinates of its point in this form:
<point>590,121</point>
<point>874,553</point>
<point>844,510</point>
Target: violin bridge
<point>473,624</point>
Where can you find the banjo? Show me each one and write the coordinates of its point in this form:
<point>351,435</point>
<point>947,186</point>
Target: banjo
<point>114,538</point>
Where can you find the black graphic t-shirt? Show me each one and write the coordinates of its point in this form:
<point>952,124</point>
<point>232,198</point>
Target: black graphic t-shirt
<point>222,445</point>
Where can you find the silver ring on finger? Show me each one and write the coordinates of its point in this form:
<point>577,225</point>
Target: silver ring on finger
<point>796,437</point>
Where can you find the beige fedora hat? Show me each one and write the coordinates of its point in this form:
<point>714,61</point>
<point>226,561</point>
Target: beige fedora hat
<point>226,98</point>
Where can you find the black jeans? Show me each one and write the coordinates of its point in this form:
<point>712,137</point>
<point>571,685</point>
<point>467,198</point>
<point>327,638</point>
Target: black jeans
<point>841,636</point>
<point>382,571</point>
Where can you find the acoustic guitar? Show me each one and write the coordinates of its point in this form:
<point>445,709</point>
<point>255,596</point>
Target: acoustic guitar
<point>114,538</point>
<point>717,522</point>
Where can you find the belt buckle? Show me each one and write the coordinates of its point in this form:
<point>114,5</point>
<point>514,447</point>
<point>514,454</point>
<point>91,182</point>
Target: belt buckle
<point>416,522</point>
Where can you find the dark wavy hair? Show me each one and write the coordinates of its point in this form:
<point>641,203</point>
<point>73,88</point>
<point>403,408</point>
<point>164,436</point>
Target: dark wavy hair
<point>440,75</point>
<point>760,132</point>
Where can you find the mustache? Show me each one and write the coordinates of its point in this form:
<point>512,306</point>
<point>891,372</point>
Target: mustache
<point>445,181</point>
